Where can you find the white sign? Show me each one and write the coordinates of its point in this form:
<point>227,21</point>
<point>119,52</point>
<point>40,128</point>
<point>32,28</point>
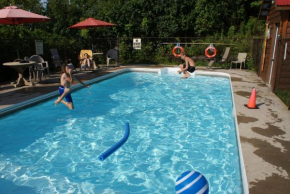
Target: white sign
<point>39,47</point>
<point>136,43</point>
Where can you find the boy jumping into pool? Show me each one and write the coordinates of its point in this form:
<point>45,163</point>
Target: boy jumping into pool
<point>188,67</point>
<point>66,80</point>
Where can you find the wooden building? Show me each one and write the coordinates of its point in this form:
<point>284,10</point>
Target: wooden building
<point>275,63</point>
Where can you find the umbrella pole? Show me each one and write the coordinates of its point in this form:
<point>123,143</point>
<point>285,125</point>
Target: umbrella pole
<point>90,43</point>
<point>17,54</point>
<point>14,27</point>
<point>15,35</point>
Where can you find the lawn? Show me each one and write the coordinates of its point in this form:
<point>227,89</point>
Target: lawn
<point>284,95</point>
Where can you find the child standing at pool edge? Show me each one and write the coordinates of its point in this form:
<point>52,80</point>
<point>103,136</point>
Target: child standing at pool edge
<point>188,67</point>
<point>66,80</point>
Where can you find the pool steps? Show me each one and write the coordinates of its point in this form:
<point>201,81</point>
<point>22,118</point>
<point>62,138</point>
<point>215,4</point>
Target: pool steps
<point>114,148</point>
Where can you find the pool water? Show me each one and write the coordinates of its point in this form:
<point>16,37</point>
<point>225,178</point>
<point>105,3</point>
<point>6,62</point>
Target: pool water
<point>176,125</point>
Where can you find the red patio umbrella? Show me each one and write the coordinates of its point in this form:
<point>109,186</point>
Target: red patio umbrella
<point>12,15</point>
<point>91,23</point>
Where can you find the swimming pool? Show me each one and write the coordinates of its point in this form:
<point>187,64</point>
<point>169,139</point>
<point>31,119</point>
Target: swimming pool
<point>176,125</point>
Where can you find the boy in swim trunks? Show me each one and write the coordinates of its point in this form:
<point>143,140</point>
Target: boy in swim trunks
<point>66,80</point>
<point>188,67</point>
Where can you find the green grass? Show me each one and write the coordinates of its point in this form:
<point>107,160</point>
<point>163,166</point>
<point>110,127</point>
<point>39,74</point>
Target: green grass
<point>284,95</point>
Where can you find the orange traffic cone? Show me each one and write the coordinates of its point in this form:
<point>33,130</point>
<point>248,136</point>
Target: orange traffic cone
<point>252,101</point>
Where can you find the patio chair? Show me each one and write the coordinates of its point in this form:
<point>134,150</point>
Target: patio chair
<point>112,54</point>
<point>82,57</point>
<point>210,63</point>
<point>240,60</point>
<point>55,57</point>
<point>222,60</point>
<point>40,69</point>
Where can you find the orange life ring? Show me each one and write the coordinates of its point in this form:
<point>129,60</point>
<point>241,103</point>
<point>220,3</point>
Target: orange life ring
<point>210,48</point>
<point>177,47</point>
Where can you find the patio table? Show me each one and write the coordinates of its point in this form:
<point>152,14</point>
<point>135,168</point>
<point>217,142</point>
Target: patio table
<point>20,68</point>
<point>97,54</point>
<point>96,66</point>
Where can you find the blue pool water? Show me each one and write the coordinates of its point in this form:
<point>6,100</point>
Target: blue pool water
<point>176,125</point>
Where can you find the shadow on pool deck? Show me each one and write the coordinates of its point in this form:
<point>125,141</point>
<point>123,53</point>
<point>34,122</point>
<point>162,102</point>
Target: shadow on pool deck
<point>264,132</point>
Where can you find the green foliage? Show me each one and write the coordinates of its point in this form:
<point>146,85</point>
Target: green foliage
<point>231,32</point>
<point>250,64</point>
<point>233,22</point>
<point>142,18</point>
<point>201,63</point>
<point>284,95</point>
<point>161,56</point>
<point>124,53</point>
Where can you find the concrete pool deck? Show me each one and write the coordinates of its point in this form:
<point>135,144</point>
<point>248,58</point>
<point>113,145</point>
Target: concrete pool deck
<point>264,135</point>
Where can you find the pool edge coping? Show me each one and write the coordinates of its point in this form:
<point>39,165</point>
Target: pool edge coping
<point>16,107</point>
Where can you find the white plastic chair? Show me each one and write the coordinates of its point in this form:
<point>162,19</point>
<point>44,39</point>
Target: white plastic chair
<point>241,60</point>
<point>41,67</point>
<point>112,54</point>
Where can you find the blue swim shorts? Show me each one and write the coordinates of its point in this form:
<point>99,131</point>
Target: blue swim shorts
<point>68,97</point>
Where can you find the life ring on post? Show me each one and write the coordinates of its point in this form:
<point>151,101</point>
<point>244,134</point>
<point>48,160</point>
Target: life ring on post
<point>213,49</point>
<point>174,49</point>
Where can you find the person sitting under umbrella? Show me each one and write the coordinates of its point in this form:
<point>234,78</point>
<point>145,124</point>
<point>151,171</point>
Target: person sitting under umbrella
<point>87,62</point>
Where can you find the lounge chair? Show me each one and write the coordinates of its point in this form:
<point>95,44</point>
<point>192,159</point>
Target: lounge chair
<point>240,60</point>
<point>40,69</point>
<point>112,54</point>
<point>55,57</point>
<point>82,57</point>
<point>223,60</point>
<point>210,63</point>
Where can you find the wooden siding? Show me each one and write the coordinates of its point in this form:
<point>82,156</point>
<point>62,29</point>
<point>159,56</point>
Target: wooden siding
<point>287,36</point>
<point>286,68</point>
<point>283,66</point>
<point>272,18</point>
<point>269,46</point>
<point>280,78</point>
<point>274,15</point>
<point>284,78</point>
<point>285,86</point>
